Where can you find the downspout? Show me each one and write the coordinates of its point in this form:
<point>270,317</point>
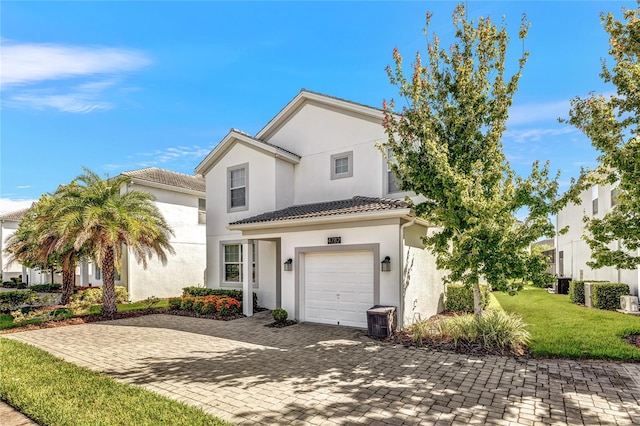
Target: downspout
<point>401,271</point>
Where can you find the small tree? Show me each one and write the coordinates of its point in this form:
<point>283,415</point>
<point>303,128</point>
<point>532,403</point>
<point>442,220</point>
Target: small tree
<point>612,122</point>
<point>446,146</point>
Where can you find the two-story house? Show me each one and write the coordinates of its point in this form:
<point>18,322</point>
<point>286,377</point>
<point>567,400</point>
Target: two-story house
<point>307,214</point>
<point>573,252</point>
<point>180,199</point>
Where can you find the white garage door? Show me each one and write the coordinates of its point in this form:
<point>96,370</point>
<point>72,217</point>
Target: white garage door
<point>338,287</point>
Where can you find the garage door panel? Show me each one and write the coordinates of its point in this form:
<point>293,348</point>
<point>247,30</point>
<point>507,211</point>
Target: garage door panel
<point>338,287</point>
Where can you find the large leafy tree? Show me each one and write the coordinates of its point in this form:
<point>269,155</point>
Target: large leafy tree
<point>612,123</point>
<point>446,146</point>
<point>97,214</point>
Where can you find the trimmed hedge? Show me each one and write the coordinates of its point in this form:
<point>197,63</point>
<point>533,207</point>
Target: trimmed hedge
<point>205,291</point>
<point>14,284</point>
<point>46,288</point>
<point>11,300</point>
<point>576,292</point>
<point>460,297</point>
<point>607,295</point>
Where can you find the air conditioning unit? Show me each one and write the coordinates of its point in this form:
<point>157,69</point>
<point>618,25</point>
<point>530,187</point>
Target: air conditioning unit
<point>629,303</point>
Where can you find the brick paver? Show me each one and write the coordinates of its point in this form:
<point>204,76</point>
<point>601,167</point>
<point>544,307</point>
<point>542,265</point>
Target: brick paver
<point>321,375</point>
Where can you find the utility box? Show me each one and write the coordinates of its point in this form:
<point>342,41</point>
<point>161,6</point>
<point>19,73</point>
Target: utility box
<point>381,321</point>
<point>563,285</point>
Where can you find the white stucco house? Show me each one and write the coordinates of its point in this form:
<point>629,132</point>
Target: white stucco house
<point>8,224</point>
<point>306,214</point>
<point>181,200</point>
<point>573,252</point>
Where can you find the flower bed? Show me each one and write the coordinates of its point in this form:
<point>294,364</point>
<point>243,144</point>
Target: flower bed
<point>220,306</point>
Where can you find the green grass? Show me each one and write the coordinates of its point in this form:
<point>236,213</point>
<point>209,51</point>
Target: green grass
<point>561,329</point>
<point>54,392</point>
<point>6,320</point>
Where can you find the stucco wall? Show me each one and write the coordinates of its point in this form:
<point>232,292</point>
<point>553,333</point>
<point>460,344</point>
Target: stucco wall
<point>576,252</point>
<point>317,132</point>
<point>422,281</point>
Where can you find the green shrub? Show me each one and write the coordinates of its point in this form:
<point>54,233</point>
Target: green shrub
<point>93,295</point>
<point>205,291</point>
<point>279,315</point>
<point>497,329</point>
<point>576,292</point>
<point>11,300</point>
<point>174,303</point>
<point>607,295</point>
<point>14,284</point>
<point>460,298</point>
<point>187,303</point>
<point>494,329</point>
<point>46,288</point>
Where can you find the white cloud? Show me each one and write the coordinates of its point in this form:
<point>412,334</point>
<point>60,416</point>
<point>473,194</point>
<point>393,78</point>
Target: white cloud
<point>537,134</point>
<point>162,157</point>
<point>77,102</point>
<point>24,63</point>
<point>8,205</point>
<point>538,112</point>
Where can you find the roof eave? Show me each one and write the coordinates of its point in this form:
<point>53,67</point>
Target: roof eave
<point>150,183</point>
<point>305,96</point>
<point>354,217</point>
<point>226,143</point>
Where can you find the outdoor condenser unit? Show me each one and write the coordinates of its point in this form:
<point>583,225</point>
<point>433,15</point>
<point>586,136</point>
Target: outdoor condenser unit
<point>629,303</point>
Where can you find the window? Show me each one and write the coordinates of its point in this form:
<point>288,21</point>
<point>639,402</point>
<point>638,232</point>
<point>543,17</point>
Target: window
<point>594,200</point>
<point>237,178</point>
<point>393,184</point>
<point>561,263</point>
<point>232,262</point>
<point>342,165</point>
<point>98,274</point>
<point>202,210</point>
<point>614,196</point>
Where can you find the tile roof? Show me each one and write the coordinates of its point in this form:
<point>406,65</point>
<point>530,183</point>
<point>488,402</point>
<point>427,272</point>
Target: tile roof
<point>353,205</point>
<point>14,215</point>
<point>167,177</point>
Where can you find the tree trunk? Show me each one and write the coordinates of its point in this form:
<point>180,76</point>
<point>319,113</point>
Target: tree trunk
<point>109,306</point>
<point>68,282</point>
<point>477,300</point>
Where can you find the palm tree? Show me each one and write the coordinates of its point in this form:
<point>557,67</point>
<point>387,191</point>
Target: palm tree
<point>36,244</point>
<point>96,215</point>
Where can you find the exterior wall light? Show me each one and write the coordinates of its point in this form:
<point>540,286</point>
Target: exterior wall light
<point>385,265</point>
<point>288,265</point>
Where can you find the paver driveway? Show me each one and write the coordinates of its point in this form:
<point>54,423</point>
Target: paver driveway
<point>313,374</point>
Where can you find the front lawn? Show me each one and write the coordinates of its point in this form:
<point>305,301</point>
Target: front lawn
<point>6,320</point>
<point>561,329</point>
<point>54,392</point>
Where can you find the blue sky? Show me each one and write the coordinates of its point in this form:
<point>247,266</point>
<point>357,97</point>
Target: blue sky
<point>117,86</point>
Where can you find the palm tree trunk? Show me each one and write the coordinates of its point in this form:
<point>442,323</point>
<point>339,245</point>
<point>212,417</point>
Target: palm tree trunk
<point>109,306</point>
<point>68,282</point>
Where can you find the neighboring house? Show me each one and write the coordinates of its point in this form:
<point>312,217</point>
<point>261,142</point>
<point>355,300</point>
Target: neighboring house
<point>549,252</point>
<point>573,253</point>
<point>8,224</point>
<point>181,200</point>
<point>310,201</point>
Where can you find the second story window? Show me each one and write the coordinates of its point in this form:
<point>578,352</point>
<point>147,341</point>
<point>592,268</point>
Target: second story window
<point>237,178</point>
<point>614,196</point>
<point>393,184</point>
<point>594,200</point>
<point>342,165</point>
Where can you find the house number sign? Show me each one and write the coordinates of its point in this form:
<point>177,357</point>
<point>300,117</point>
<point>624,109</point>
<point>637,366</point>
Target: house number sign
<point>334,240</point>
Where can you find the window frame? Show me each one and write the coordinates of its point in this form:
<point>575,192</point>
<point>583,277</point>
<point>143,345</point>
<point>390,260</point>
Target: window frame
<point>388,176</point>
<point>230,170</point>
<point>223,264</point>
<point>342,155</point>
<point>594,200</point>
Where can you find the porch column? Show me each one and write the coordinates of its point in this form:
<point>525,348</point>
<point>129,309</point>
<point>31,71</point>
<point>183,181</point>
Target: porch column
<point>247,285</point>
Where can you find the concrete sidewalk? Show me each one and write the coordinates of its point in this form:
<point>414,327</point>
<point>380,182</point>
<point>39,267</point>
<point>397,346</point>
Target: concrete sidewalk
<point>310,374</point>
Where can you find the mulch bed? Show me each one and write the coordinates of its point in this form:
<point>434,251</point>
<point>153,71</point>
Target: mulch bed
<point>281,324</point>
<point>85,319</point>
<point>634,340</point>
